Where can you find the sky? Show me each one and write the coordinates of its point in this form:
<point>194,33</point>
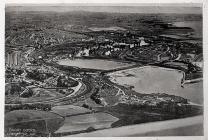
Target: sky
<point>179,9</point>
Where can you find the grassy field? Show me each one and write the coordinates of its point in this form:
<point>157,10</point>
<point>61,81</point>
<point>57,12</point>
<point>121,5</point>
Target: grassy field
<point>39,122</point>
<point>83,122</point>
<point>68,110</point>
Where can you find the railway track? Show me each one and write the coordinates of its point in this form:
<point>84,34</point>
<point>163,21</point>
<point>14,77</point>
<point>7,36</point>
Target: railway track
<point>79,93</point>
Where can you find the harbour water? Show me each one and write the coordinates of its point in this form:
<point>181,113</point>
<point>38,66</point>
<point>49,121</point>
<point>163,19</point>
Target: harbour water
<point>94,63</point>
<point>195,25</point>
<point>149,79</point>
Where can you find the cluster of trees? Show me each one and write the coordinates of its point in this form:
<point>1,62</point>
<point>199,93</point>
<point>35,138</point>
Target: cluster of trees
<point>65,81</point>
<point>10,72</point>
<point>37,75</point>
<point>13,89</point>
<point>96,96</point>
<point>16,71</point>
<point>35,106</point>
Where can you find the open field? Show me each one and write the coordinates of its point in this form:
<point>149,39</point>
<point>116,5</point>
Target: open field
<point>39,122</point>
<point>69,110</point>
<point>83,122</point>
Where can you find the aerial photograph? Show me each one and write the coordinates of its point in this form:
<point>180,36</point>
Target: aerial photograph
<point>103,70</point>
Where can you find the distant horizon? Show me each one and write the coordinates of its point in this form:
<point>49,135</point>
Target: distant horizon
<point>177,9</point>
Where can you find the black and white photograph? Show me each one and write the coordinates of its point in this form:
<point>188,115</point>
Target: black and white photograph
<point>103,70</point>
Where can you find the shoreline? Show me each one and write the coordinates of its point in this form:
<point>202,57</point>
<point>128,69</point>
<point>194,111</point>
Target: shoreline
<point>112,79</point>
<point>184,79</point>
